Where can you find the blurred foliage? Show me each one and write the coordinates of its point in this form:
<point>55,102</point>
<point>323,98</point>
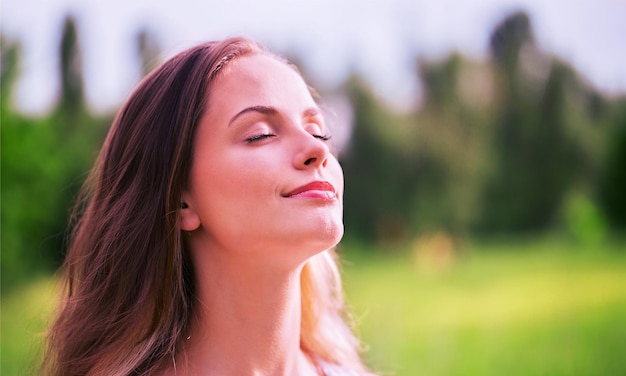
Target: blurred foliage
<point>613,182</point>
<point>379,172</point>
<point>583,221</point>
<point>72,102</point>
<point>44,161</point>
<point>515,144</point>
<point>494,149</point>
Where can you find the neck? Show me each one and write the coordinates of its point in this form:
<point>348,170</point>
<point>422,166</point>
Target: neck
<point>247,318</point>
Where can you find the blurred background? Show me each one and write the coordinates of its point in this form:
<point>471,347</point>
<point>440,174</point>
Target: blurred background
<point>483,145</point>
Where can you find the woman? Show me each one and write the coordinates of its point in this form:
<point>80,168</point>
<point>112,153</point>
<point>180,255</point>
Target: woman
<point>204,244</point>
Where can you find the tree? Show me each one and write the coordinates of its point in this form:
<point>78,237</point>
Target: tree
<point>376,200</point>
<point>44,161</point>
<point>613,181</point>
<point>536,159</point>
<point>71,104</point>
<point>148,51</point>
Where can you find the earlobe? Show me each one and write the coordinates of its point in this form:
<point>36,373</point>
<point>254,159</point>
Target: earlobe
<point>189,219</point>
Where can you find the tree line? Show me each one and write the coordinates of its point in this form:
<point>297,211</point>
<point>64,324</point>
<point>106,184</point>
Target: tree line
<point>519,144</point>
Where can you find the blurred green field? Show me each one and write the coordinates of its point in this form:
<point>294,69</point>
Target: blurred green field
<point>25,312</point>
<point>536,308</point>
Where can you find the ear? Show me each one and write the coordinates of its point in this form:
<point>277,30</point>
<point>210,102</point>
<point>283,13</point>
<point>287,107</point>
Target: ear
<point>189,218</point>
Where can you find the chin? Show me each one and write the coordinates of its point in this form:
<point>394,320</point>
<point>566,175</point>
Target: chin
<point>329,236</point>
<point>337,235</point>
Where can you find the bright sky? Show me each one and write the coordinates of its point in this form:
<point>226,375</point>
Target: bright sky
<point>379,38</point>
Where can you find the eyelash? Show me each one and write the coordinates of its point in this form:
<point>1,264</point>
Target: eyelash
<point>259,137</point>
<point>323,137</point>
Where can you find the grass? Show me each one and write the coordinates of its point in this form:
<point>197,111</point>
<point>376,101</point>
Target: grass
<point>25,312</point>
<point>527,309</point>
<point>533,308</point>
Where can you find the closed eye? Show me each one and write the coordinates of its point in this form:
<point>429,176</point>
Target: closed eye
<point>323,137</point>
<point>259,137</point>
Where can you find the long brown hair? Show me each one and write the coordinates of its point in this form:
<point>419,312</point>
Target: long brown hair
<point>129,283</point>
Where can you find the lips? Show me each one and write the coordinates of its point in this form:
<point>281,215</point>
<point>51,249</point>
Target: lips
<point>317,189</point>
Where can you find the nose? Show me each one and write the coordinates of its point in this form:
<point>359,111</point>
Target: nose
<point>310,152</point>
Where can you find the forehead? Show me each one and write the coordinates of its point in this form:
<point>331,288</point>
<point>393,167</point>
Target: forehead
<point>257,66</point>
<point>259,80</point>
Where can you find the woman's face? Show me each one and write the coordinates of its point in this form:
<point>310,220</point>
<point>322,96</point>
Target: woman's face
<point>262,176</point>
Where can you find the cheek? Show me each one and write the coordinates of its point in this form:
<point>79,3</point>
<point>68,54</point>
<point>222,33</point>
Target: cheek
<point>231,177</point>
<point>336,172</point>
<point>246,173</point>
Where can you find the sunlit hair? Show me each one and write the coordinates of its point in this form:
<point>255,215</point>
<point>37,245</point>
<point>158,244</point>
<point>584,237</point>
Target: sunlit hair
<point>129,283</point>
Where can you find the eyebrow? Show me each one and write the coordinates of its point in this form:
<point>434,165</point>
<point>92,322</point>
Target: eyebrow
<point>267,110</point>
